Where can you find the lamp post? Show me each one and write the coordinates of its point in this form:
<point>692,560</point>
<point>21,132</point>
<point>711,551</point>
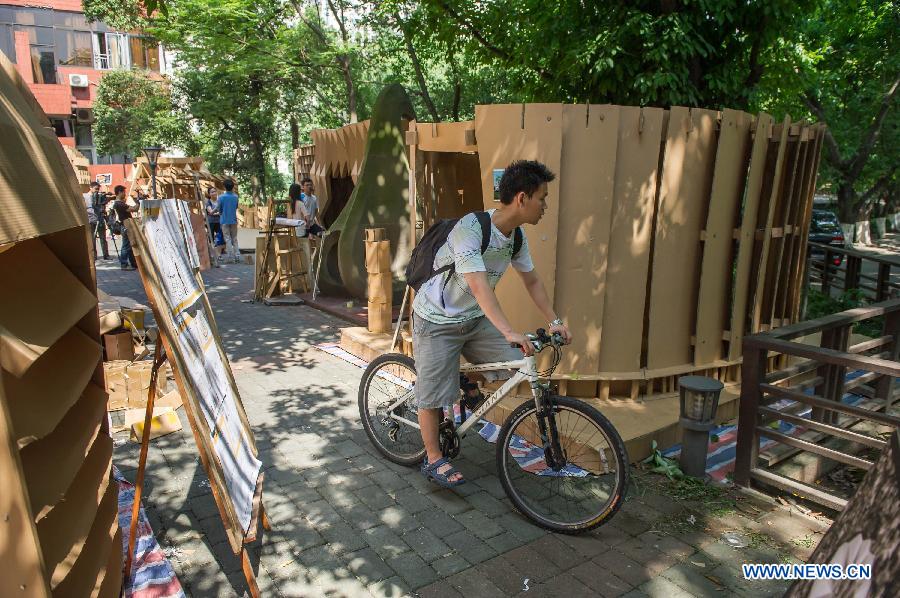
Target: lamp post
<point>699,399</point>
<point>152,154</point>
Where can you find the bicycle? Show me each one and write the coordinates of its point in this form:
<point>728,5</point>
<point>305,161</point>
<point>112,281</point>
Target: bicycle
<point>560,461</point>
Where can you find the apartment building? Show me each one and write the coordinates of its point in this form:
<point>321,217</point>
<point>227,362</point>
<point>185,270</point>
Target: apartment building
<point>62,57</point>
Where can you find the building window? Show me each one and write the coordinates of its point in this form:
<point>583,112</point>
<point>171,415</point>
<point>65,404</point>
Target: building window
<point>144,53</point>
<point>62,127</point>
<point>74,48</point>
<point>43,64</point>
<point>111,51</point>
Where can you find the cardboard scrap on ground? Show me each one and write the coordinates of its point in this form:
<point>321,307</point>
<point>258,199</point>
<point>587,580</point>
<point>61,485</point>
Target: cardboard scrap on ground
<point>127,384</point>
<point>164,423</point>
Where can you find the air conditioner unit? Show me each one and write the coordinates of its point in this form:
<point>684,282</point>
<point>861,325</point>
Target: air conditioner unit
<point>76,80</point>
<point>84,116</point>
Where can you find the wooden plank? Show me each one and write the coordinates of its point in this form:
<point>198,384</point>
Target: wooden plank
<point>829,405</point>
<point>729,181</point>
<point>590,136</point>
<point>800,268</point>
<point>784,308</point>
<point>777,179</point>
<point>684,193</point>
<point>811,447</point>
<point>743,266</point>
<point>509,132</point>
<point>798,489</point>
<point>774,415</point>
<point>634,197</point>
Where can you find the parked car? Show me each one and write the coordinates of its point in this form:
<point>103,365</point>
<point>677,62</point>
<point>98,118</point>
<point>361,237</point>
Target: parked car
<point>825,228</point>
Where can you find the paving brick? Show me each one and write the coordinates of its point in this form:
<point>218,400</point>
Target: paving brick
<point>412,501</point>
<point>692,579</point>
<point>622,567</point>
<point>338,496</point>
<point>343,538</point>
<point>491,485</point>
<point>601,581</point>
<point>521,527</point>
<point>502,574</point>
<point>389,481</point>
<point>439,589</point>
<point>413,570</point>
<point>181,528</point>
<point>532,564</point>
<point>348,448</point>
<point>653,560</point>
<point>438,522</point>
<point>449,502</point>
<point>319,558</point>
<point>504,542</point>
<point>584,545</point>
<point>393,587</point>
<point>360,516</point>
<point>468,545</point>
<point>479,524</point>
<point>556,551</point>
<point>485,503</point>
<point>320,514</point>
<point>374,497</point>
<point>368,566</point>
<point>667,544</point>
<point>194,554</point>
<point>475,583</point>
<point>449,565</point>
<point>385,542</point>
<point>213,530</point>
<point>426,544</point>
<point>628,523</point>
<point>660,587</point>
<point>569,586</point>
<point>399,519</point>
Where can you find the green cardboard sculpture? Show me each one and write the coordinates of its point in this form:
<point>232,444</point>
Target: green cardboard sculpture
<point>379,200</point>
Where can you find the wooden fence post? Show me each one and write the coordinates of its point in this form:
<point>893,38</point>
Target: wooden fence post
<point>826,272</point>
<point>851,278</point>
<point>753,371</point>
<point>882,288</point>
<point>884,388</point>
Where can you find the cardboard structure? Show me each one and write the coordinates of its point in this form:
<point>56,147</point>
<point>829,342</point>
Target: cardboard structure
<point>181,178</point>
<point>190,338</point>
<point>304,158</point>
<point>59,531</point>
<point>79,164</point>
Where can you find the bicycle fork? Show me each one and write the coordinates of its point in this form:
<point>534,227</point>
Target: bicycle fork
<point>546,418</point>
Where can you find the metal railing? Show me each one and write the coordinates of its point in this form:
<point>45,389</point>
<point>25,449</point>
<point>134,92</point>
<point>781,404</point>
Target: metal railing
<point>851,272</point>
<point>779,395</point>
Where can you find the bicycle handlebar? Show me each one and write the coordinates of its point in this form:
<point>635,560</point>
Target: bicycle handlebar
<point>539,339</point>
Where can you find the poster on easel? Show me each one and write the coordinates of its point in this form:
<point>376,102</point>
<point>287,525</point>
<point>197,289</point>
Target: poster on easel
<point>168,264</point>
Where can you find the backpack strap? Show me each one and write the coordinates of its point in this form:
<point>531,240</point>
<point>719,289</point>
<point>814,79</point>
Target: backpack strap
<point>484,219</point>
<point>518,240</point>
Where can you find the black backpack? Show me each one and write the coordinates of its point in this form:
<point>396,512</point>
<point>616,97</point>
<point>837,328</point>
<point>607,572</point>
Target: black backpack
<point>421,263</point>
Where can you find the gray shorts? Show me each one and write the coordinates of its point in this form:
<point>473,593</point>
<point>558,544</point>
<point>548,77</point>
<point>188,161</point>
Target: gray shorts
<point>437,348</point>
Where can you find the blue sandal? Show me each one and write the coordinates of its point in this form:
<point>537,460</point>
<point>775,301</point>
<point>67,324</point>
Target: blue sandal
<point>441,479</point>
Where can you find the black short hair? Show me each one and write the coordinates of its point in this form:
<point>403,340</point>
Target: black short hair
<point>305,179</point>
<point>95,184</point>
<point>118,188</point>
<point>228,184</point>
<point>523,175</point>
<point>294,192</point>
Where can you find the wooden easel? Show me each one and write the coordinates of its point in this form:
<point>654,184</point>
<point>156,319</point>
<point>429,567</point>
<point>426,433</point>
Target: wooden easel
<point>163,351</point>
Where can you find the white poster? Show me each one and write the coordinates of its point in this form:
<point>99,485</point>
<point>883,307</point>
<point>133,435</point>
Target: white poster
<point>167,231</point>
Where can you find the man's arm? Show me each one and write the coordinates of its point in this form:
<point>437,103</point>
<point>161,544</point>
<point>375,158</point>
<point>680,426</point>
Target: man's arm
<point>487,300</point>
<point>538,294</point>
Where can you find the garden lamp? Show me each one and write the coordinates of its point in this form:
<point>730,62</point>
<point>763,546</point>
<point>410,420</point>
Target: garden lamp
<point>699,399</point>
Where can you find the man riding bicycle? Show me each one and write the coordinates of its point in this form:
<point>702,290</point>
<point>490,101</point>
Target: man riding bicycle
<point>457,313</point>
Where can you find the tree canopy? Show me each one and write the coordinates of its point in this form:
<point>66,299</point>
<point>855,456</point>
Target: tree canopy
<point>255,77</point>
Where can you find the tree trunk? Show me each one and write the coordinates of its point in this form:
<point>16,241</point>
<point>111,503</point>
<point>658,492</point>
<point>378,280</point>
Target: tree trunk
<point>417,67</point>
<point>295,133</point>
<point>344,62</point>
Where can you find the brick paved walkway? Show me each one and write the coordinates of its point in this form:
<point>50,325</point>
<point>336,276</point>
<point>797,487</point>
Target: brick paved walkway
<point>348,523</point>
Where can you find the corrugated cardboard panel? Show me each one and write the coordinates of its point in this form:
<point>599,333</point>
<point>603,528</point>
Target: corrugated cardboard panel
<point>67,524</point>
<point>777,180</point>
<point>111,586</point>
<point>818,134</point>
<point>445,137</point>
<point>38,303</point>
<point>681,215</point>
<point>729,179</point>
<point>85,576</point>
<point>38,189</point>
<point>62,567</point>
<point>509,132</point>
<point>634,196</point>
<point>21,562</point>
<point>743,266</point>
<point>590,138</point>
<point>788,217</point>
<point>50,464</point>
<point>39,400</point>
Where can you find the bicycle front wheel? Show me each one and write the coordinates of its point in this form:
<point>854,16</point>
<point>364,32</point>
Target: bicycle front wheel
<point>387,406</point>
<point>579,493</point>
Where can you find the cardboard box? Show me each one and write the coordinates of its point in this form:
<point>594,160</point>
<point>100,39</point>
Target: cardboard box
<point>379,288</point>
<point>379,317</point>
<point>374,234</point>
<point>118,346</point>
<point>378,257</point>
<point>127,384</point>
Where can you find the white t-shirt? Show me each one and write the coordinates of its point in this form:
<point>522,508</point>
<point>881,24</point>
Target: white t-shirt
<point>463,247</point>
<point>311,205</point>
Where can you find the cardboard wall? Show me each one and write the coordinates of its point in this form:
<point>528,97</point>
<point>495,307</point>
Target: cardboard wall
<point>338,154</point>
<point>55,449</point>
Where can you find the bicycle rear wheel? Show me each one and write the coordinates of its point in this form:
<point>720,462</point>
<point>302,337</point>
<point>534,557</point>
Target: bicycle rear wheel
<point>581,492</point>
<point>388,378</point>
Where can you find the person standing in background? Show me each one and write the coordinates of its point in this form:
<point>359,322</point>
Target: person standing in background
<point>95,203</point>
<point>309,208</point>
<point>123,212</point>
<point>227,209</point>
<point>212,217</point>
